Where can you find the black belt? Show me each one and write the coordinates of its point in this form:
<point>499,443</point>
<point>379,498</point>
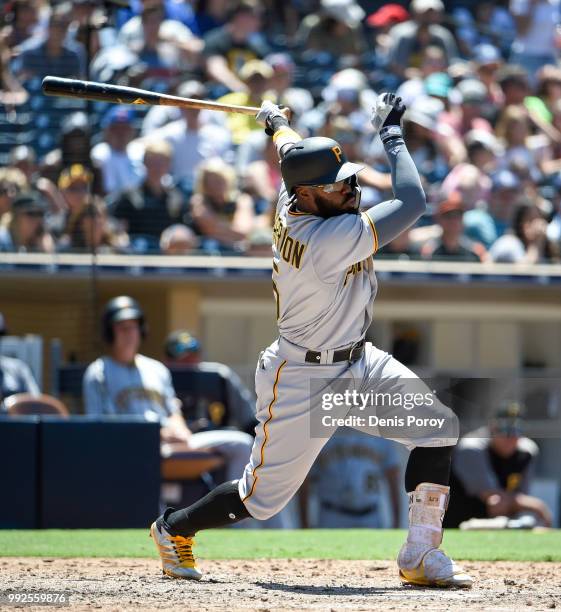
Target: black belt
<point>351,511</point>
<point>349,354</point>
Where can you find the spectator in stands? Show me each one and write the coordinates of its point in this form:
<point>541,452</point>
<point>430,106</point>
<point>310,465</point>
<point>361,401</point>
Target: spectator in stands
<point>161,44</point>
<point>283,72</point>
<point>513,81</point>
<point>400,248</point>
<point>53,55</point>
<point>120,171</point>
<point>536,37</point>
<point>382,21</point>
<point>452,245</point>
<point>74,149</point>
<point>352,475</point>
<point>429,149</point>
<point>513,128</point>
<point>492,470</point>
<point>256,74</point>
<point>419,83</point>
<point>487,62</point>
<point>486,23</point>
<point>219,211</point>
<point>23,230</point>
<point>528,242</point>
<point>75,185</point>
<point>335,30</point>
<point>23,19</point>
<point>178,239</point>
<point>91,231</point>
<point>12,93</point>
<point>23,158</point>
<point>467,115</point>
<point>211,14</point>
<point>156,204</point>
<point>421,31</point>
<point>173,11</point>
<point>548,93</point>
<point>487,223</point>
<point>125,382</point>
<point>193,137</point>
<point>12,182</point>
<point>229,47</point>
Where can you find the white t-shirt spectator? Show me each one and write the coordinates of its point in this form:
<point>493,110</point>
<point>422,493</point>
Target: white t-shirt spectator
<point>118,168</point>
<point>539,38</point>
<point>191,147</point>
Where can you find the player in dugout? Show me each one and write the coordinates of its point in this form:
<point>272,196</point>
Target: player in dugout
<point>491,474</point>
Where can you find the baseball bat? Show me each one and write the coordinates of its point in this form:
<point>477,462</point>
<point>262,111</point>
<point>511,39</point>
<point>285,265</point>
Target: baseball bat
<point>118,94</point>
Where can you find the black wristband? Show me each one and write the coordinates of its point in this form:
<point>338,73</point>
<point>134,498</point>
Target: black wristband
<point>275,123</point>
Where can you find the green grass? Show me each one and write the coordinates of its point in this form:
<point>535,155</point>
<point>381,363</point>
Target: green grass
<point>313,544</point>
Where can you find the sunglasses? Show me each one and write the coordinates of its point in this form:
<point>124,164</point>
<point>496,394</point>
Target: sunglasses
<point>338,186</point>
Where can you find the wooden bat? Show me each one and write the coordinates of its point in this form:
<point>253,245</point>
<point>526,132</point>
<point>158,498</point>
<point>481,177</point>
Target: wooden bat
<point>90,90</point>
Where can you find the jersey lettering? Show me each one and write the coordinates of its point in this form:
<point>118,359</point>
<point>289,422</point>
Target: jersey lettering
<point>290,249</point>
<point>354,269</point>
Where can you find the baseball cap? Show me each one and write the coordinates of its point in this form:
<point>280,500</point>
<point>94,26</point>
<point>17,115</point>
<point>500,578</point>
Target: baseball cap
<point>485,139</point>
<point>507,420</point>
<point>281,62</point>
<point>386,15</point>
<point>504,179</point>
<point>192,89</point>
<point>422,6</point>
<point>254,68</point>
<point>452,203</point>
<point>180,343</point>
<point>346,11</point>
<point>76,122</point>
<point>74,174</point>
<point>118,114</point>
<point>438,84</point>
<point>29,201</point>
<point>425,112</point>
<point>471,91</point>
<point>486,53</point>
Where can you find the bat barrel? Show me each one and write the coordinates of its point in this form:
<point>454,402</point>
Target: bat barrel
<point>90,90</point>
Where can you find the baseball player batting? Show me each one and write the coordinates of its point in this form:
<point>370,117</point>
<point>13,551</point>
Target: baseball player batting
<point>324,286</point>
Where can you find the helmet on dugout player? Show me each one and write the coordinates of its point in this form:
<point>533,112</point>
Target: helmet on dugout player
<point>317,161</point>
<point>122,308</point>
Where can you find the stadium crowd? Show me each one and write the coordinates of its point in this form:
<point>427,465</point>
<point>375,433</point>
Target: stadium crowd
<point>481,80</point>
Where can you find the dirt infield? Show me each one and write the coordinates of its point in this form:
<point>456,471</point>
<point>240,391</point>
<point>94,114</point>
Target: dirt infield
<point>133,584</point>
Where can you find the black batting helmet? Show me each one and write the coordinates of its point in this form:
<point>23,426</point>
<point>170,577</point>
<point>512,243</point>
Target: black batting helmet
<point>122,308</point>
<point>316,161</point>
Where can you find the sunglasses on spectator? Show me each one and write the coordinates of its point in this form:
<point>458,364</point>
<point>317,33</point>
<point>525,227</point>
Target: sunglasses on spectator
<point>34,213</point>
<point>338,186</point>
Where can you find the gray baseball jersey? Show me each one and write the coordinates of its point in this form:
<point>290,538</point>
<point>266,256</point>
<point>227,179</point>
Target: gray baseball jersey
<point>323,276</point>
<point>324,286</point>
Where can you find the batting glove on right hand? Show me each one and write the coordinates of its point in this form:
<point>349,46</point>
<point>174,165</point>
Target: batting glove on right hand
<point>272,117</point>
<point>387,111</point>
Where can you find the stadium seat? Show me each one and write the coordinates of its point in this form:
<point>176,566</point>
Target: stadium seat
<point>28,404</point>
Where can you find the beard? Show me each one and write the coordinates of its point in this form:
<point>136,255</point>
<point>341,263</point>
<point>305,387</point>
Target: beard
<point>326,208</point>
